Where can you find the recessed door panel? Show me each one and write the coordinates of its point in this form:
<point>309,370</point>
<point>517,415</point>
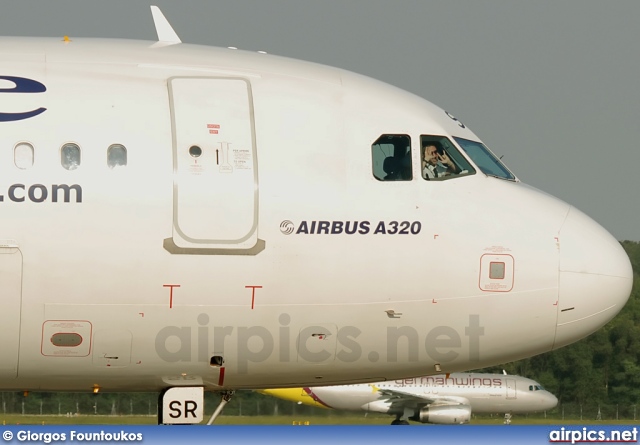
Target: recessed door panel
<point>11,291</point>
<point>215,184</point>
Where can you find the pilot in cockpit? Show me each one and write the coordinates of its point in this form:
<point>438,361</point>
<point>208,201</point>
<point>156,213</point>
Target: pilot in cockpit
<point>436,163</point>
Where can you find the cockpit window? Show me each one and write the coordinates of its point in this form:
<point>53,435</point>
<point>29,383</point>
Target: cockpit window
<point>391,156</point>
<point>441,159</point>
<point>484,159</point>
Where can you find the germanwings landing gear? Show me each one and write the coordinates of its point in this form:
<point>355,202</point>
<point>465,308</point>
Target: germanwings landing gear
<point>401,419</point>
<point>507,418</point>
<point>226,397</point>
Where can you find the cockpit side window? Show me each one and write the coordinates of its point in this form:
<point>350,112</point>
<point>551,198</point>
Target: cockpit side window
<point>484,159</point>
<point>441,159</point>
<point>391,156</point>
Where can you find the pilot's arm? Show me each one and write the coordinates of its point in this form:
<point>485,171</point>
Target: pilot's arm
<point>452,168</point>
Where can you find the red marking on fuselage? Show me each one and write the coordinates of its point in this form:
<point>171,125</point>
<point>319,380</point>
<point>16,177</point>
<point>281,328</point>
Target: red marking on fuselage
<point>221,377</point>
<point>253,294</point>
<point>170,286</point>
<point>315,397</point>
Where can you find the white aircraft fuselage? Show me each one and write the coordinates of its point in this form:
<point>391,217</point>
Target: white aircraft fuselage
<point>192,216</point>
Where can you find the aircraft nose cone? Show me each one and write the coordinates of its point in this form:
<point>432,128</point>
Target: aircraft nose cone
<point>595,278</point>
<point>549,401</point>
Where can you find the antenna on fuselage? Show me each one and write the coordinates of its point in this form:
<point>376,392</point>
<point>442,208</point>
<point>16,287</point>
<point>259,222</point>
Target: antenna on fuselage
<point>166,34</point>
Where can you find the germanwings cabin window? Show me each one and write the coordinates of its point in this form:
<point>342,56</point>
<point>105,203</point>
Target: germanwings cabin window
<point>116,156</point>
<point>23,155</point>
<point>391,156</point>
<point>441,160</point>
<point>70,157</point>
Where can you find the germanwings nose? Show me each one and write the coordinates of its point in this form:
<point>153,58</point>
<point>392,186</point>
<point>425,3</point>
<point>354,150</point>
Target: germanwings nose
<point>548,401</point>
<point>594,281</point>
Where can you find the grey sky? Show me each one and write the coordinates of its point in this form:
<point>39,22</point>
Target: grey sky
<point>553,86</point>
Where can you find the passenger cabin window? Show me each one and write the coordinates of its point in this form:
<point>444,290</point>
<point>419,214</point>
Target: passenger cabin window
<point>70,156</point>
<point>484,159</point>
<point>391,156</point>
<point>116,156</point>
<point>441,159</point>
<point>23,155</point>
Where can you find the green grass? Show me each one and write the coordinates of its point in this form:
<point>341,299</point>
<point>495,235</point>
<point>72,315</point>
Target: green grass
<point>336,419</point>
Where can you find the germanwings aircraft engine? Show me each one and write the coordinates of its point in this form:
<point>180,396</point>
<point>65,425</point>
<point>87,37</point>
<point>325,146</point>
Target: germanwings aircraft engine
<point>444,415</point>
<point>440,414</point>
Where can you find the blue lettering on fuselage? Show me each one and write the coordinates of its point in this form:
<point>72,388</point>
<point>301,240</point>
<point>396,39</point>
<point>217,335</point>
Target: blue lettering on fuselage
<point>22,85</point>
<point>41,193</point>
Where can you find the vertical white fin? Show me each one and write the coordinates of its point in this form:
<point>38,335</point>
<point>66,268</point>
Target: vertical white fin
<point>166,34</point>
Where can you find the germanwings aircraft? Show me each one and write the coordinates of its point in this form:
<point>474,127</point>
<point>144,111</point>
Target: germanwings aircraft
<point>443,399</point>
<point>183,218</point>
